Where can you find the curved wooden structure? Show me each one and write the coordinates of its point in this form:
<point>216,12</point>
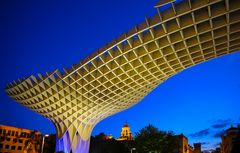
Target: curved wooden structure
<point>121,73</point>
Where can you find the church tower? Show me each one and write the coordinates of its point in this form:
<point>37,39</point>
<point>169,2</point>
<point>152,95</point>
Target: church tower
<point>126,134</point>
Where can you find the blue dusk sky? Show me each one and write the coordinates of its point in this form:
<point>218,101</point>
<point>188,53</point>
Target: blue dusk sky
<point>41,35</point>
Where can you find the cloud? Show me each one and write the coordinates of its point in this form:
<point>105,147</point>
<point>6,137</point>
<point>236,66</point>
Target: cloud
<point>205,143</point>
<point>218,134</point>
<point>216,129</point>
<point>219,124</point>
<point>201,133</point>
<point>216,145</point>
<point>208,151</point>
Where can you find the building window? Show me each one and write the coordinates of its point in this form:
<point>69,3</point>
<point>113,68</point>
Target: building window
<point>2,138</point>
<point>13,147</point>
<point>1,145</point>
<point>9,132</point>
<point>19,148</point>
<point>4,131</point>
<point>7,147</point>
<point>16,134</point>
<point>20,141</point>
<point>0,131</point>
<point>13,133</point>
<point>14,140</point>
<point>8,139</point>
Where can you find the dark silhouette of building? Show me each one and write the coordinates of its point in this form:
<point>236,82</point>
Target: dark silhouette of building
<point>217,150</point>
<point>99,144</point>
<point>182,144</point>
<point>231,140</point>
<point>197,148</point>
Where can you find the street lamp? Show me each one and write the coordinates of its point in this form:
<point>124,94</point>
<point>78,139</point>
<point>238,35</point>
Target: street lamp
<point>43,140</point>
<point>132,149</point>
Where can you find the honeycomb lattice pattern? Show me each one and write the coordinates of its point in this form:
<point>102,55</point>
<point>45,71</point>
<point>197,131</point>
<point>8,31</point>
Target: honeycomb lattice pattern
<point>125,70</point>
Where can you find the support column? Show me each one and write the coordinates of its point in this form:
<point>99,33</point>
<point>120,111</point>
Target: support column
<point>74,140</point>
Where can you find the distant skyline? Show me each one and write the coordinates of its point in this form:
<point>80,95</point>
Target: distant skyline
<point>39,36</point>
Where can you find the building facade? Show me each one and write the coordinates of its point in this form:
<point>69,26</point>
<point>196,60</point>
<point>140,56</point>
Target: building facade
<point>182,143</point>
<point>197,148</point>
<point>184,147</point>
<point>18,140</point>
<point>231,140</point>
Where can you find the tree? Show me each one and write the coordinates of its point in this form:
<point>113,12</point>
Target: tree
<point>100,137</point>
<point>150,139</point>
<point>99,144</point>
